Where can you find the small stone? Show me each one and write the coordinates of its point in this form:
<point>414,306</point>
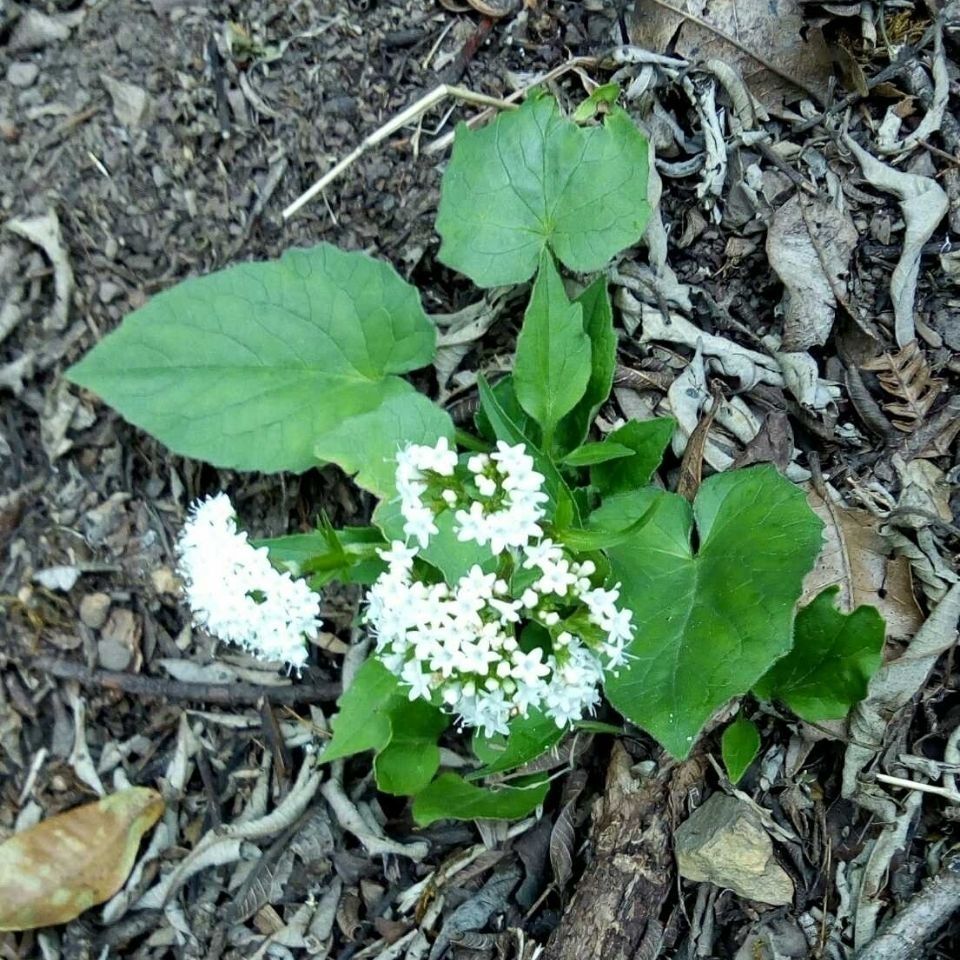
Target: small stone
<point>22,74</point>
<point>113,655</point>
<point>94,608</point>
<point>108,291</point>
<point>164,581</point>
<point>119,640</point>
<point>130,102</point>
<point>725,843</point>
<point>35,29</point>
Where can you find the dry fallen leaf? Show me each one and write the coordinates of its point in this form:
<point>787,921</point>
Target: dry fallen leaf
<point>809,244</point>
<point>779,55</point>
<point>51,873</point>
<point>856,557</point>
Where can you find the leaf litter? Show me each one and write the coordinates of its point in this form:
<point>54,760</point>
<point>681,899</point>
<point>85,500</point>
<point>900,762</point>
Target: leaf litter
<point>730,160</point>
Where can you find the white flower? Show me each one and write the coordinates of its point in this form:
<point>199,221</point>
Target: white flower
<point>236,594</point>
<point>458,646</point>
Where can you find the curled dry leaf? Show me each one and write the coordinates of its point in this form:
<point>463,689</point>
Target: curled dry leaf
<point>51,873</point>
<point>809,245</point>
<point>856,557</point>
<point>924,203</point>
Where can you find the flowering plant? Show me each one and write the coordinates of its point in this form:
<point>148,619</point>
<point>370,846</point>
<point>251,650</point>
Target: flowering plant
<point>520,572</point>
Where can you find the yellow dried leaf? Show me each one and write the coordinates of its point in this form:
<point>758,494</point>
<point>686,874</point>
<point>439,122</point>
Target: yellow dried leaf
<point>66,864</point>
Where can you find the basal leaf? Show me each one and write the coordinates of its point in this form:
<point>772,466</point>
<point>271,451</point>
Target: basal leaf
<point>363,720</point>
<point>739,745</point>
<point>450,797</point>
<point>51,872</point>
<point>411,759</point>
<point>529,737</point>
<point>270,366</point>
<point>534,179</point>
<point>834,656</point>
<point>598,325</point>
<point>552,364</point>
<point>711,621</point>
<point>648,439</point>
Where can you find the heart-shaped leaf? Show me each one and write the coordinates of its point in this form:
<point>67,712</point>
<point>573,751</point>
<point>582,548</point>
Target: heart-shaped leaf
<point>834,656</point>
<point>533,180</point>
<point>274,366</point>
<point>52,872</point>
<point>709,621</point>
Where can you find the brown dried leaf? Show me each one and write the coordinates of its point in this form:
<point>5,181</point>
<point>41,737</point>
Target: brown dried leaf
<point>52,872</point>
<point>857,557</point>
<point>563,835</point>
<point>907,377</point>
<point>779,56</point>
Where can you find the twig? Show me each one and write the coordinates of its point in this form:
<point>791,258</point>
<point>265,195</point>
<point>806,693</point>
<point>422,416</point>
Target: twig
<point>729,38</point>
<point>435,146</point>
<point>888,72</point>
<point>945,792</point>
<point>926,913</point>
<point>427,101</point>
<point>158,688</point>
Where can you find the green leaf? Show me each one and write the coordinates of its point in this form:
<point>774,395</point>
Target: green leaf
<point>709,623</point>
<point>270,366</point>
<point>834,656</point>
<point>349,556</point>
<point>590,453</point>
<point>366,445</point>
<point>376,714</point>
<point>739,745</point>
<point>450,797</point>
<point>533,180</point>
<point>363,721</point>
<point>552,364</point>
<point>603,96</point>
<point>598,325</point>
<point>648,439</point>
<point>600,538</point>
<point>506,396</point>
<point>409,761</point>
<point>529,737</point>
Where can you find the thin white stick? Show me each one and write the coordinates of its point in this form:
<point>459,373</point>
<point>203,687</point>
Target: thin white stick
<point>427,101</point>
<point>573,64</point>
<point>921,787</point>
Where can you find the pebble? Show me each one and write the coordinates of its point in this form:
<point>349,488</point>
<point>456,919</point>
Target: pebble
<point>108,291</point>
<point>94,608</point>
<point>22,74</point>
<point>113,655</point>
<point>724,843</point>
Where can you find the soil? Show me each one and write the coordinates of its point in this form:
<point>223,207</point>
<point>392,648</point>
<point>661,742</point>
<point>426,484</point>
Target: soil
<point>166,137</point>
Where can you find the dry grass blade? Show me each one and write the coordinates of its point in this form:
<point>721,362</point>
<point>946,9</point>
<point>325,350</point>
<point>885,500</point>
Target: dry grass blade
<point>906,376</point>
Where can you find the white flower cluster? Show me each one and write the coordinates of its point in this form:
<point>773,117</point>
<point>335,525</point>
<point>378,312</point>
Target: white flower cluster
<point>234,591</point>
<point>536,634</point>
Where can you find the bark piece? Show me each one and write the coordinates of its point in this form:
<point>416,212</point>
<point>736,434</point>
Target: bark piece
<point>617,910</point>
